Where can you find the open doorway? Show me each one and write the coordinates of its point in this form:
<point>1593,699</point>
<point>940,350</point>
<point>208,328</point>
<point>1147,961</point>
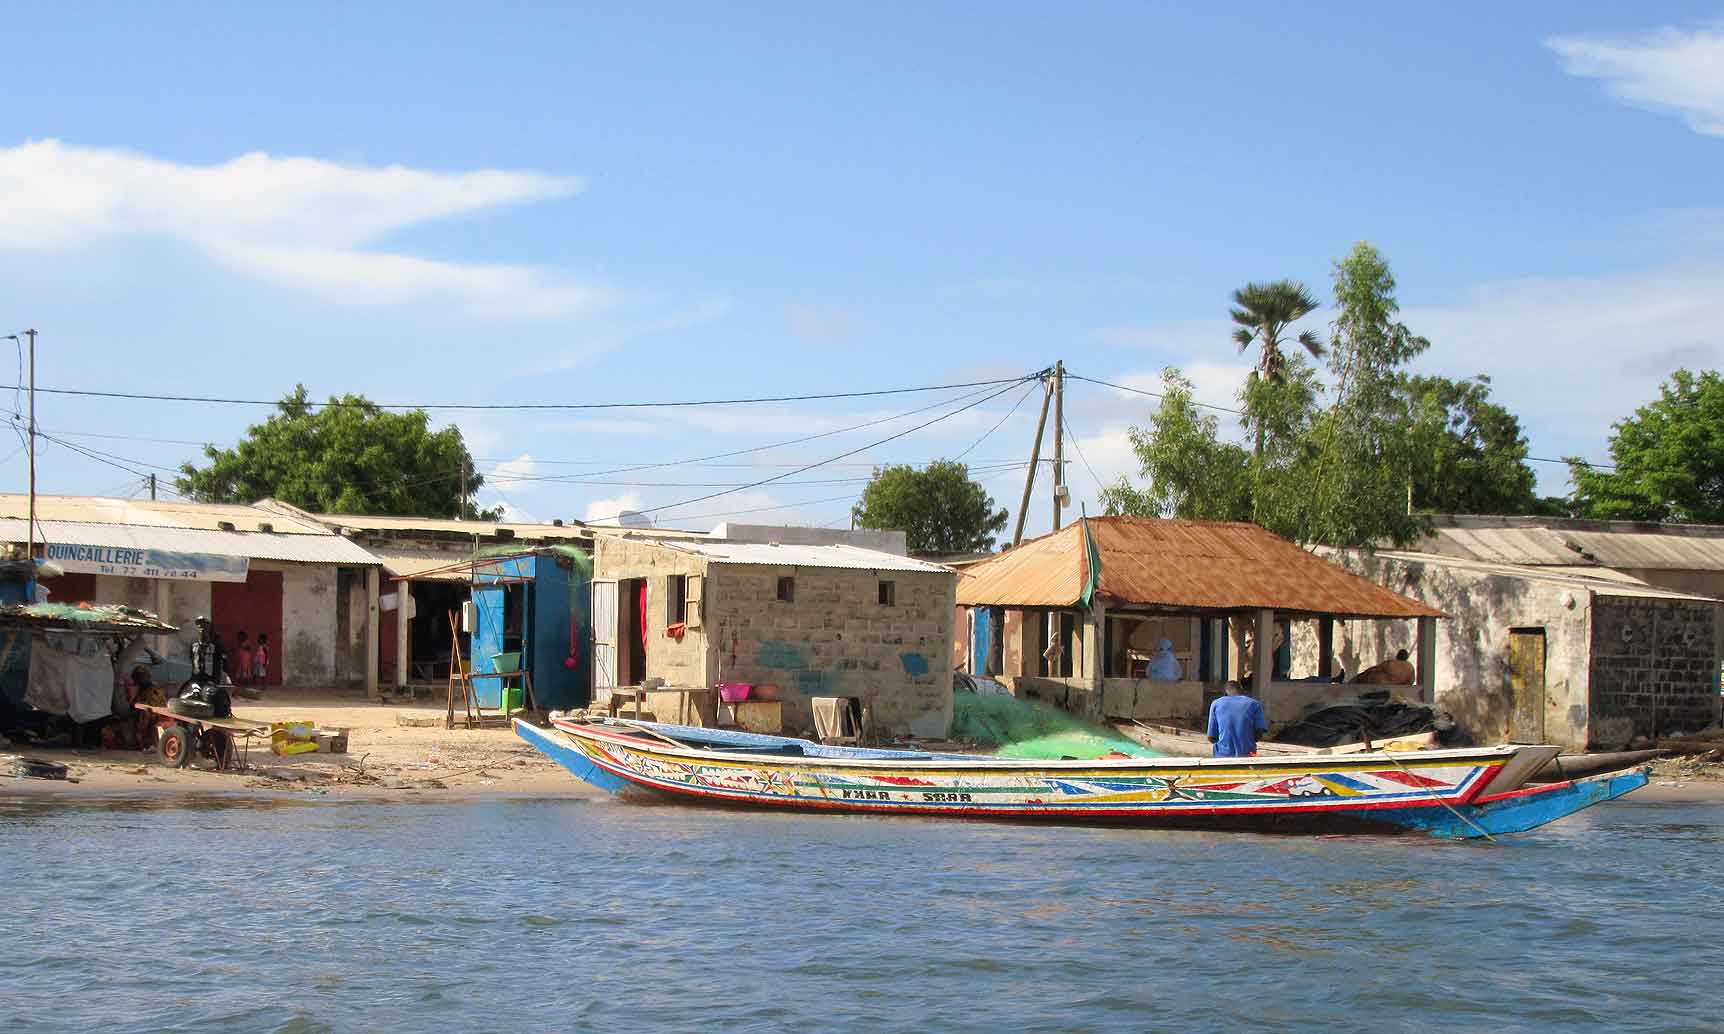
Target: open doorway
<point>431,645</point>
<point>631,631</point>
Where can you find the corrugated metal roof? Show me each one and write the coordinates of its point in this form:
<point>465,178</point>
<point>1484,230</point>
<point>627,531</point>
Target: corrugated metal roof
<point>423,564</point>
<point>1599,580</point>
<point>150,513</point>
<point>321,548</point>
<point>1195,565</point>
<point>764,554</point>
<point>1553,541</point>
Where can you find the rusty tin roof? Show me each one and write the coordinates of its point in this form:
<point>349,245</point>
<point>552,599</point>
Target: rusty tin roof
<point>1183,565</point>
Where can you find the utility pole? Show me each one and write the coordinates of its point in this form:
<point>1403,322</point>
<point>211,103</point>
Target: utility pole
<point>461,507</point>
<point>1035,460</point>
<point>31,334</point>
<point>152,488</point>
<point>1059,393</point>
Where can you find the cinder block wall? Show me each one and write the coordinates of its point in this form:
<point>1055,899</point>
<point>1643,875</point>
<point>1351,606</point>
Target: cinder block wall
<point>1655,663</point>
<point>684,662</point>
<point>836,639</point>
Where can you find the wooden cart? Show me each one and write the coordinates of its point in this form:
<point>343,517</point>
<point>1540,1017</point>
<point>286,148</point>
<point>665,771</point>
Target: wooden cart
<point>225,741</point>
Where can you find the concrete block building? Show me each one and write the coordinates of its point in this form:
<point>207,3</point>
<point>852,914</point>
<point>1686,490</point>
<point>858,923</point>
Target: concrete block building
<point>1582,656</point>
<point>813,620</point>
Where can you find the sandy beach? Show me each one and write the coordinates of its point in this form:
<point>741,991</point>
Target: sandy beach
<point>384,757</point>
<point>393,753</point>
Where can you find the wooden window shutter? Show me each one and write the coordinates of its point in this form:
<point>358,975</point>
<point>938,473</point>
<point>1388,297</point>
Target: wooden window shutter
<point>695,584</point>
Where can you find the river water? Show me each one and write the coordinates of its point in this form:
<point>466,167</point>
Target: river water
<point>592,915</point>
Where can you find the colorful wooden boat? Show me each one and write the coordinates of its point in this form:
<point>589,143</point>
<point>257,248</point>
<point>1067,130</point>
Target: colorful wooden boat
<point>1462,793</point>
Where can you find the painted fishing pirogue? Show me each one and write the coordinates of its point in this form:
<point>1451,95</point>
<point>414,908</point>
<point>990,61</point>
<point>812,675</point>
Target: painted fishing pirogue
<point>1461,793</point>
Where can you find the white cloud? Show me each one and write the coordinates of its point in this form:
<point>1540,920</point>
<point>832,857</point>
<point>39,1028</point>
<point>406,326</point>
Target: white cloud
<point>1674,70</point>
<point>820,325</point>
<point>614,337</point>
<point>606,511</point>
<point>1572,354</point>
<point>520,474</point>
<point>302,222</point>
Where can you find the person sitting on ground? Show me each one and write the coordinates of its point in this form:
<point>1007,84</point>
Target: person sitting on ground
<point>1234,722</point>
<point>1396,672</point>
<point>1164,666</point>
<point>142,689</point>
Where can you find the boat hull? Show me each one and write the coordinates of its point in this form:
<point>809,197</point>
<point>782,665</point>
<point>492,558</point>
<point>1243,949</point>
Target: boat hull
<point>1461,793</point>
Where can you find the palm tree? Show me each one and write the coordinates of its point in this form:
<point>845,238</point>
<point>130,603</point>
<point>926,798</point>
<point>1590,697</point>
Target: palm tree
<point>1263,313</point>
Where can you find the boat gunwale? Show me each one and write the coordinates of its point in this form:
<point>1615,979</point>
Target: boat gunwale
<point>934,763</point>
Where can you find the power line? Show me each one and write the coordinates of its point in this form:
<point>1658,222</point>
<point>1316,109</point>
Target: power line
<point>1149,394</point>
<point>492,406</point>
<point>985,434</point>
<point>1237,412</point>
<point>840,456</point>
<point>1073,438</point>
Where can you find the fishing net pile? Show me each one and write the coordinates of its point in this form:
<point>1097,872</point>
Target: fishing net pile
<point>1032,729</point>
<point>1375,716</point>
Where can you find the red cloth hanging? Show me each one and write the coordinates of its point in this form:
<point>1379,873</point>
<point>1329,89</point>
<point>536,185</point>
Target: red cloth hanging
<point>642,597</point>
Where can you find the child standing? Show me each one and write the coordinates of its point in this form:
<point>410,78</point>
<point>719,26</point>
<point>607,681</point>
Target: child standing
<point>242,661</point>
<point>260,660</point>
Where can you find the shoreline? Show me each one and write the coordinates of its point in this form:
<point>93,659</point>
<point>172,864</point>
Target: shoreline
<point>421,761</point>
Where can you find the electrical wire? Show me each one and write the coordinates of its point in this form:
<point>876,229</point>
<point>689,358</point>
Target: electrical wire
<point>844,455</point>
<point>1079,449</point>
<point>1237,412</point>
<point>985,434</point>
<point>522,406</point>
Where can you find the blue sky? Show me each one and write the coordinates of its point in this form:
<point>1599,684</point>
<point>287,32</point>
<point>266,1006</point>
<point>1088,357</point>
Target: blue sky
<point>537,204</point>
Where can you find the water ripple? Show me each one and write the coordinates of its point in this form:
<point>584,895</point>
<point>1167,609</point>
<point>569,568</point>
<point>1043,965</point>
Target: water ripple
<point>574,915</point>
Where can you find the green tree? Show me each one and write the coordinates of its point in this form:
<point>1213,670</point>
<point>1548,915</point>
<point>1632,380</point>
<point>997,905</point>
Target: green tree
<point>1669,458</point>
<point>1263,315</point>
<point>1470,454</point>
<point>938,507</point>
<point>349,456</point>
<point>1189,471</point>
<point>1365,451</point>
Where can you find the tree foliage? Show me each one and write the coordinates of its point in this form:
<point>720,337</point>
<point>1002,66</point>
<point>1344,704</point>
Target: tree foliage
<point>1331,463</point>
<point>1365,449</point>
<point>1669,458</point>
<point>938,507</point>
<point>1189,471</point>
<point>1470,452</point>
<point>1262,316</point>
<point>346,457</point>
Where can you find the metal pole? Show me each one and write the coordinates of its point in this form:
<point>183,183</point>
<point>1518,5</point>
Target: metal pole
<point>1035,458</point>
<point>1059,390</point>
<point>31,334</point>
<point>461,507</point>
<point>152,488</point>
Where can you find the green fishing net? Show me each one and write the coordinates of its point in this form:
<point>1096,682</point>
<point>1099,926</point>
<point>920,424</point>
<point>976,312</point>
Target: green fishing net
<point>1033,729</point>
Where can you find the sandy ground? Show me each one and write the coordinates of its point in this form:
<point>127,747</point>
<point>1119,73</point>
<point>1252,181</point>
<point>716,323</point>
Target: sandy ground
<point>383,757</point>
<point>389,759</point>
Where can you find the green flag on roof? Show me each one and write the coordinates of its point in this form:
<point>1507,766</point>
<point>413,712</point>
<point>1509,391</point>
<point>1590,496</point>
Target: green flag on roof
<point>1092,557</point>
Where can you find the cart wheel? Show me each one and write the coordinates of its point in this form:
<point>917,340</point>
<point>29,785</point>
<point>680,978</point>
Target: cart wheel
<point>218,747</point>
<point>176,746</point>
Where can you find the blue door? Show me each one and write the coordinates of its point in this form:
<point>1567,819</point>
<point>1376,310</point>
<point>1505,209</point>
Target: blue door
<point>981,639</point>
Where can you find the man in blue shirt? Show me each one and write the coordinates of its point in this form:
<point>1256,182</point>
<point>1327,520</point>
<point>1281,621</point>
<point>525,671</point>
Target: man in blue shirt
<point>1234,722</point>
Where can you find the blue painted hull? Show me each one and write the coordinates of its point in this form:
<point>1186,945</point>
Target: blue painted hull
<point>1514,813</point>
<point>554,746</point>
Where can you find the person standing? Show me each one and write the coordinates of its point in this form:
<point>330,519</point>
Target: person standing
<point>1234,722</point>
<point>242,660</point>
<point>260,660</point>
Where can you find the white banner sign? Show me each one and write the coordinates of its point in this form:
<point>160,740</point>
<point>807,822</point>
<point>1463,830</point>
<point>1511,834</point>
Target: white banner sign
<point>136,562</point>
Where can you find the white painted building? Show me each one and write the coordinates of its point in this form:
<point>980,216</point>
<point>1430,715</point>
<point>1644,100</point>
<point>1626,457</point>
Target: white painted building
<point>313,592</point>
